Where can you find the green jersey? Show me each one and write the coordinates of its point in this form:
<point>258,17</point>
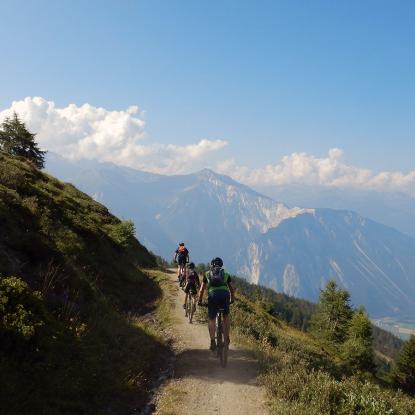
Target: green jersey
<point>217,280</point>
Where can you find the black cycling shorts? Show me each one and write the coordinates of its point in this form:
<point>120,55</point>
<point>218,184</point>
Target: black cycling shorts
<point>181,259</point>
<point>190,286</point>
<point>216,300</point>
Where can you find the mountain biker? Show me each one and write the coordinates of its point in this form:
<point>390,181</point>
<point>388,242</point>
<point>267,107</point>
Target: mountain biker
<point>181,257</point>
<point>220,294</point>
<point>192,282</point>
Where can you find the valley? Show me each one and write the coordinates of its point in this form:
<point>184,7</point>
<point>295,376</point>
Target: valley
<point>400,328</point>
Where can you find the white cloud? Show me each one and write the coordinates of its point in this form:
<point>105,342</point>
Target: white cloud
<point>330,171</point>
<point>86,132</point>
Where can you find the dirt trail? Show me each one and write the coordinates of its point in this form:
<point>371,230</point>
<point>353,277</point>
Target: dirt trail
<point>200,385</point>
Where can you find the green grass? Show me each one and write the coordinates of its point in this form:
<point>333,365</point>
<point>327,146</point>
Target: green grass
<point>72,340</point>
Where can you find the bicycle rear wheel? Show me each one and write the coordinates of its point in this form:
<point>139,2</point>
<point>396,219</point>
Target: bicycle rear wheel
<point>220,340</point>
<point>224,360</point>
<point>186,309</point>
<point>190,307</point>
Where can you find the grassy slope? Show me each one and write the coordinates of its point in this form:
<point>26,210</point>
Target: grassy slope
<point>302,377</point>
<point>78,345</point>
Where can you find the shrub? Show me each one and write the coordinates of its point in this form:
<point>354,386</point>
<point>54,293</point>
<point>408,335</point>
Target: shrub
<point>20,309</point>
<point>11,176</point>
<point>122,233</point>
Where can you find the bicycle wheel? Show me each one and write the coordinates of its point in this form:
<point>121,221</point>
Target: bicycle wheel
<point>186,309</point>
<point>224,361</point>
<point>219,338</point>
<point>191,310</point>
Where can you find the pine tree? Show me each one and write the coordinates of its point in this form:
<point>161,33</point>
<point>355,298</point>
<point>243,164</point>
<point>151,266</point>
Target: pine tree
<point>331,320</point>
<point>404,373</point>
<point>357,350</point>
<point>16,140</point>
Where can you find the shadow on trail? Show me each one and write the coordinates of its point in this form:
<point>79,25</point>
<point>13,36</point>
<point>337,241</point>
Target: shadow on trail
<point>203,364</point>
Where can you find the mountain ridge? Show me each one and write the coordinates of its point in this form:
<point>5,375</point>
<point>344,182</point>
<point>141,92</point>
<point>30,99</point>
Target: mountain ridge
<point>216,215</point>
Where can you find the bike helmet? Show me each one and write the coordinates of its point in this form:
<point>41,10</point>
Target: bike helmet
<point>181,244</point>
<point>216,262</point>
<point>191,265</point>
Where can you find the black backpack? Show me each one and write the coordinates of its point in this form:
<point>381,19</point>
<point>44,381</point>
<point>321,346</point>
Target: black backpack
<point>216,277</point>
<point>192,276</point>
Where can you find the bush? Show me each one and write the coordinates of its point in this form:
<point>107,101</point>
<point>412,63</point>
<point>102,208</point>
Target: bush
<point>123,232</point>
<point>11,176</point>
<point>21,310</point>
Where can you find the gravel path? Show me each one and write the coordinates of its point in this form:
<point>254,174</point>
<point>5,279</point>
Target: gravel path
<point>200,385</point>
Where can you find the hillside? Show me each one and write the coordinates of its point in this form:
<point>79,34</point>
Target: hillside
<point>293,250</point>
<point>72,291</point>
<point>303,376</point>
<point>298,313</point>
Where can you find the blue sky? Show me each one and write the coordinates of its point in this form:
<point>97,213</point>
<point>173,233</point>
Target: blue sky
<point>269,77</point>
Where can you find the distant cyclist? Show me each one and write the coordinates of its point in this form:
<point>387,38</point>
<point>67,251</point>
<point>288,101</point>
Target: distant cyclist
<point>220,294</point>
<point>181,257</point>
<point>192,282</point>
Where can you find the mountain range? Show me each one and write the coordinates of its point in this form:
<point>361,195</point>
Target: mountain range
<point>291,249</point>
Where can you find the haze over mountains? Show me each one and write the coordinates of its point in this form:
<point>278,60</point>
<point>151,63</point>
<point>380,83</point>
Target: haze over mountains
<point>295,250</point>
<point>390,208</point>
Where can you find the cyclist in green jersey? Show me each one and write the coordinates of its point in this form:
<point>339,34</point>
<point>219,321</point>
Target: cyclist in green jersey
<point>220,294</point>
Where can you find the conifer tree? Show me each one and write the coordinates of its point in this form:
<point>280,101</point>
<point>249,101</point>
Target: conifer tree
<point>404,373</point>
<point>357,349</point>
<point>16,140</point>
<point>333,315</point>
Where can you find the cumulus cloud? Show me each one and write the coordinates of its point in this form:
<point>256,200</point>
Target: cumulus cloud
<point>88,132</point>
<point>329,171</point>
